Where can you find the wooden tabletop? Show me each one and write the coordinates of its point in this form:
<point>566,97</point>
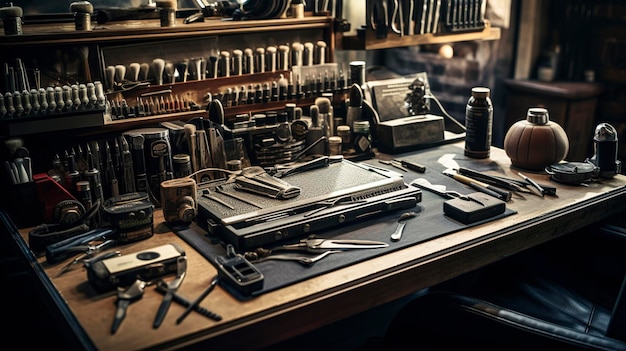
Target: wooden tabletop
<point>278,315</point>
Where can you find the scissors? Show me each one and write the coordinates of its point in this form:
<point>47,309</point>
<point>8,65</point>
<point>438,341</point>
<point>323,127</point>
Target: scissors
<point>313,244</point>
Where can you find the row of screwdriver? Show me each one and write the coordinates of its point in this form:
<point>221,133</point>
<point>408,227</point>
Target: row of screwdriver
<point>52,100</point>
<point>222,64</point>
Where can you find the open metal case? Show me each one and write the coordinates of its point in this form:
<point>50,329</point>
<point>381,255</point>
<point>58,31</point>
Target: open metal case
<point>334,195</point>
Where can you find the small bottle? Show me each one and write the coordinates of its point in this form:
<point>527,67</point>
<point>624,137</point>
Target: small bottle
<point>478,123</point>
<point>362,138</point>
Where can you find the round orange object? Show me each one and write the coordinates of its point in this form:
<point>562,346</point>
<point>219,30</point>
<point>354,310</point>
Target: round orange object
<point>536,142</point>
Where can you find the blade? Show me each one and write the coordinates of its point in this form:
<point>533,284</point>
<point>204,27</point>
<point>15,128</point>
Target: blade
<point>351,244</point>
<point>426,185</point>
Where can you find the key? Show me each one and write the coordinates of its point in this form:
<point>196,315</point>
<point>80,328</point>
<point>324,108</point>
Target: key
<point>124,298</point>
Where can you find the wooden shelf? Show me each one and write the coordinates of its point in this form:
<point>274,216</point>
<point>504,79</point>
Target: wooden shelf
<point>370,42</point>
<point>150,30</point>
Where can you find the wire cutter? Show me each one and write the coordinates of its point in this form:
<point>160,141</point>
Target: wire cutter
<point>316,245</point>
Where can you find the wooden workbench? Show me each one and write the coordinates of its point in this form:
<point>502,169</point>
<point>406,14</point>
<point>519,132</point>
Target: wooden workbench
<point>313,303</point>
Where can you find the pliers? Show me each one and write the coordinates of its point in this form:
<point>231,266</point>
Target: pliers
<point>124,297</point>
<point>172,287</point>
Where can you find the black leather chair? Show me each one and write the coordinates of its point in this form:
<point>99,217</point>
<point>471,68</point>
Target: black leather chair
<point>568,294</point>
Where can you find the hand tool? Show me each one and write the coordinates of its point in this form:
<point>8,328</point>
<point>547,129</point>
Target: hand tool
<point>397,234</point>
<point>259,60</point>
<point>536,186</point>
<point>109,74</point>
<point>224,64</point>
<point>283,57</point>
<point>101,98</point>
<point>26,102</point>
<point>320,52</point>
<point>316,245</point>
<point>207,194</point>
<point>271,60</point>
<point>435,27</point>
<point>75,96</point>
<point>196,303</point>
<point>480,186</point>
<point>8,97</point>
<point>493,180</point>
<point>237,62</point>
<point>305,260</point>
<point>128,167</point>
<point>379,18</point>
<point>440,190</point>
<point>82,97</point>
<point>431,13</point>
<point>220,190</point>
<point>161,287</point>
<point>158,65</point>
<point>248,61</point>
<point>394,164</point>
<point>91,93</point>
<point>124,297</point>
<point>3,109</point>
<point>414,166</point>
<point>397,19</point>
<point>423,15</point>
<point>111,178</point>
<point>144,70</point>
<point>17,103</point>
<point>190,136</point>
<point>43,100</point>
<point>133,70</point>
<point>256,180</point>
<point>120,73</point>
<point>181,269</point>
<point>307,54</point>
<point>297,50</point>
<point>52,104</point>
<point>90,241</point>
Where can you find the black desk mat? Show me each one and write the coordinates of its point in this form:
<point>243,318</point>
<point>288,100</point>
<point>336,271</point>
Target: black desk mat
<point>430,223</point>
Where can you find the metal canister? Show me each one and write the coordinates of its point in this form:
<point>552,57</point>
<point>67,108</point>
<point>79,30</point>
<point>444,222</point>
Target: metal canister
<point>82,14</point>
<point>12,20</point>
<point>167,12</point>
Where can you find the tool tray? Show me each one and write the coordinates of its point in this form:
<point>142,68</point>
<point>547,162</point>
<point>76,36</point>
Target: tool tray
<point>335,195</point>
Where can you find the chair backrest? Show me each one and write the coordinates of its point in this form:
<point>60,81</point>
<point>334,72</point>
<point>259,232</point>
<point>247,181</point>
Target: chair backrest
<point>617,325</point>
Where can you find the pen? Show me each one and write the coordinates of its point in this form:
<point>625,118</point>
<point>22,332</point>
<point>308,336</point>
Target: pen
<point>480,186</point>
<point>533,183</point>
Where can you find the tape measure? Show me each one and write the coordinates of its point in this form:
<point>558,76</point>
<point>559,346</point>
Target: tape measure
<point>572,172</point>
